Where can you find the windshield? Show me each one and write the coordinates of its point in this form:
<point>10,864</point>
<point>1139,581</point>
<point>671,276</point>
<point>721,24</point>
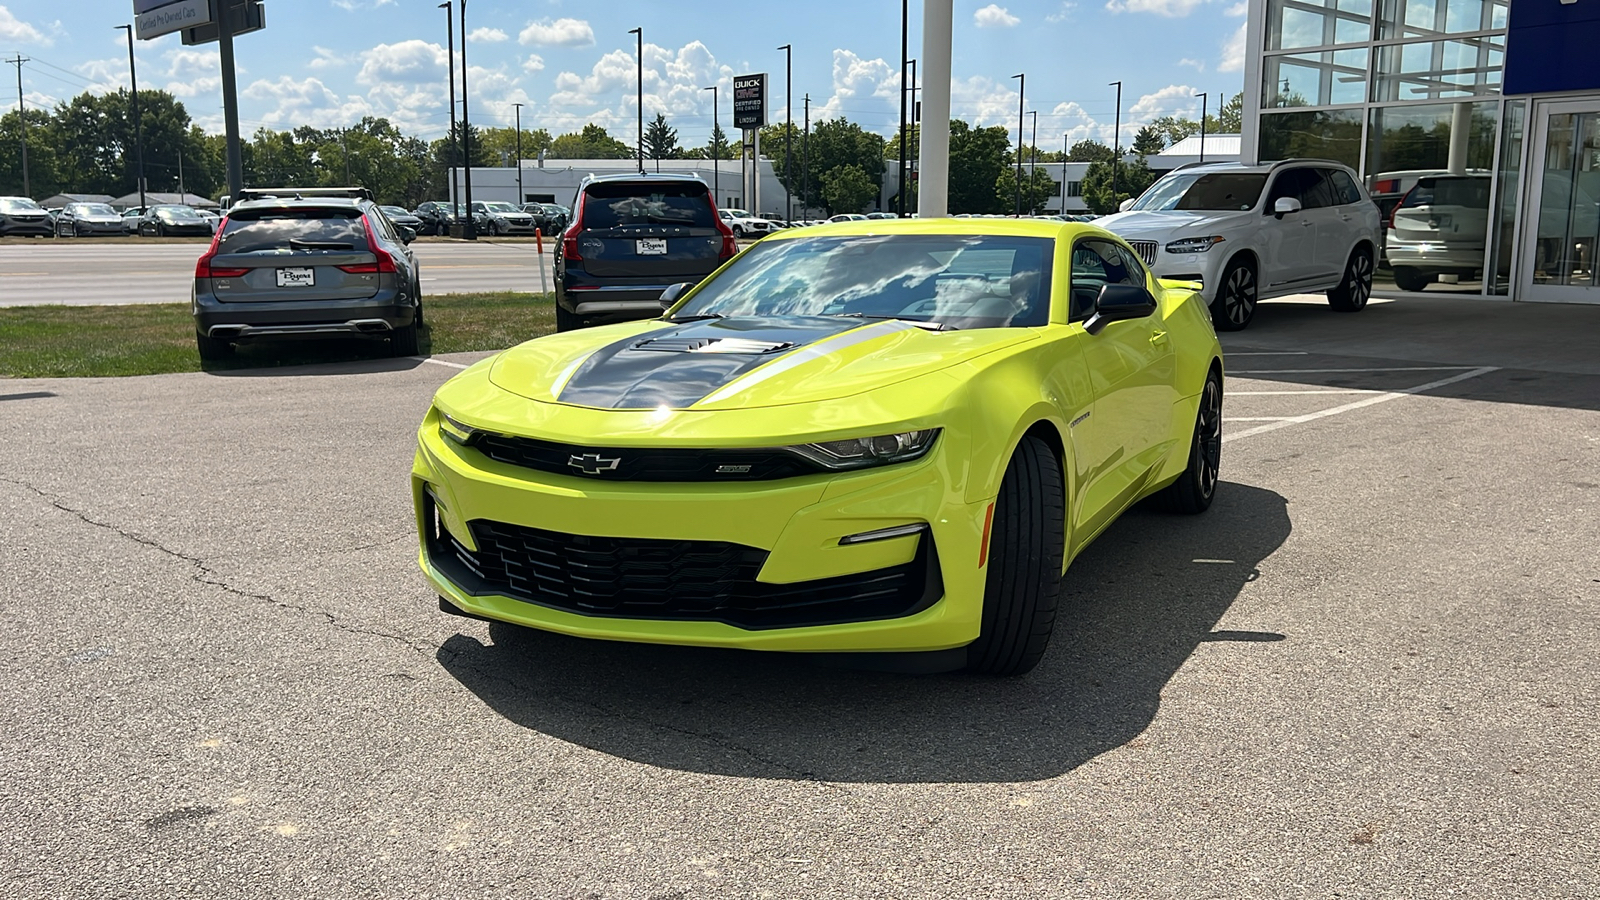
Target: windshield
<point>18,204</point>
<point>92,209</point>
<point>176,212</point>
<point>953,280</point>
<point>499,206</point>
<point>1209,191</point>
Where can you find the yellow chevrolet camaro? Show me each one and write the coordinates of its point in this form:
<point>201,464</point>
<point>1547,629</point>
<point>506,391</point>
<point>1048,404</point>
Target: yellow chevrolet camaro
<point>879,437</point>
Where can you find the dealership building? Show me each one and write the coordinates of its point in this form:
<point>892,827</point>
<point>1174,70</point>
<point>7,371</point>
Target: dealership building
<point>1476,122</point>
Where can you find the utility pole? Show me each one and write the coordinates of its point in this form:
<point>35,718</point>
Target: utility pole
<point>640,33</point>
<point>450,45</point>
<point>521,197</point>
<point>1203,98</point>
<point>1022,88</point>
<point>788,133</point>
<point>716,171</point>
<point>914,117</point>
<point>183,195</point>
<point>22,125</point>
<point>138,126</point>
<point>230,99</point>
<point>1064,148</point>
<point>1033,153</point>
<point>905,52</point>
<point>1116,149</point>
<point>470,231</point>
<point>805,161</point>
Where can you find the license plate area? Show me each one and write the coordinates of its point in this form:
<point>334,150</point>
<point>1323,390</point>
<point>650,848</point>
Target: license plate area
<point>651,246</point>
<point>296,277</point>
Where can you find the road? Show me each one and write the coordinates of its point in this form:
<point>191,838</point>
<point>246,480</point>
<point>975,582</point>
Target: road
<point>84,273</point>
<point>1368,671</point>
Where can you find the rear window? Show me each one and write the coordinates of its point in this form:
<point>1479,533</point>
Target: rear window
<point>1472,193</point>
<point>610,205</point>
<point>282,230</point>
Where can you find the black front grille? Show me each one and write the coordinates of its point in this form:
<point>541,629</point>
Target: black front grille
<point>639,578</point>
<point>641,464</point>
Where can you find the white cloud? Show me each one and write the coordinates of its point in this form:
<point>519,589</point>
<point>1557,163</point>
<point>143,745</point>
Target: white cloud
<point>673,84</point>
<point>1169,8</point>
<point>1062,13</point>
<point>1172,100</point>
<point>354,5</point>
<point>1197,65</point>
<point>994,16</point>
<point>408,62</point>
<point>1233,52</point>
<point>558,33</point>
<point>15,30</point>
<point>1238,9</point>
<point>326,59</point>
<point>534,63</point>
<point>195,73</point>
<point>856,83</point>
<point>487,36</point>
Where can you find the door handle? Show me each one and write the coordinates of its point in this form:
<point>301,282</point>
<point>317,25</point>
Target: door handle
<point>1158,338</point>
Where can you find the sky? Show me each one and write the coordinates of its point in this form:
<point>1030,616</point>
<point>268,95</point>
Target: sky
<point>327,63</point>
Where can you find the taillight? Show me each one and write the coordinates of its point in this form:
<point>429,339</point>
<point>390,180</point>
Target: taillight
<point>730,244</point>
<point>1396,208</point>
<point>385,263</point>
<point>203,267</point>
<point>569,248</point>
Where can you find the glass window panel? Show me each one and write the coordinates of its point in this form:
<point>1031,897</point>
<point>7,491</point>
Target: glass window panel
<point>1569,204</point>
<point>1431,18</point>
<point>1315,23</point>
<point>1434,70</point>
<point>1510,177</point>
<point>1325,134</point>
<point>1328,78</point>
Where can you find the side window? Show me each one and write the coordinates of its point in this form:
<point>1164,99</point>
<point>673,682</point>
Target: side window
<point>1305,185</point>
<point>1344,187</point>
<point>382,223</point>
<point>1094,265</point>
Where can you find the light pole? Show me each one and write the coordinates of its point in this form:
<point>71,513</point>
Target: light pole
<point>640,33</point>
<point>1065,138</point>
<point>450,46</point>
<point>905,53</point>
<point>913,120</point>
<point>1033,155</point>
<point>788,132</point>
<point>805,162</point>
<point>1204,96</point>
<point>1022,86</point>
<point>521,197</point>
<point>470,230</point>
<point>1116,149</point>
<point>716,171</point>
<point>138,126</point>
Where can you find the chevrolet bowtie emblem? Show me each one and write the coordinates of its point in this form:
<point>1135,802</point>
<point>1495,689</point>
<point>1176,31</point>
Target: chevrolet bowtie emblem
<point>593,463</point>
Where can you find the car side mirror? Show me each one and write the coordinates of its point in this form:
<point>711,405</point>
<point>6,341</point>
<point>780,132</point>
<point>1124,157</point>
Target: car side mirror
<point>669,297</point>
<point>1284,206</point>
<point>407,233</point>
<point>1127,204</point>
<point>1117,302</point>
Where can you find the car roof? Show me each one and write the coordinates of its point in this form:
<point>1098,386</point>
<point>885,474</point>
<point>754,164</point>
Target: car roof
<point>290,203</point>
<point>1258,168</point>
<point>641,178</point>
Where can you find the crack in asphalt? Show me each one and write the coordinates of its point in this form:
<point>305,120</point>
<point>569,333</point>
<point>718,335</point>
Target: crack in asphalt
<point>206,575</point>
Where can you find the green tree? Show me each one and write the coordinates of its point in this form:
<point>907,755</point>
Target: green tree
<point>43,176</point>
<point>848,189</point>
<point>1089,151</point>
<point>1132,180</point>
<point>661,139</point>
<point>501,143</point>
<point>1037,189</point>
<point>717,148</point>
<point>593,142</point>
<point>834,143</point>
<point>977,157</point>
<point>1148,142</point>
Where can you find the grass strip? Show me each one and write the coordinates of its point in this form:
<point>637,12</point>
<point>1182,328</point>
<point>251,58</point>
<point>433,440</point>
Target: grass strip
<point>157,338</point>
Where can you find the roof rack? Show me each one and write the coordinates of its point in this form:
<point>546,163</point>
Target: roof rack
<point>301,193</point>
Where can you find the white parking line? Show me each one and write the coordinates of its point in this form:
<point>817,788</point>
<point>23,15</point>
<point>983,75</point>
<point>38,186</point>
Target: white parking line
<point>1358,404</point>
<point>1256,418</point>
<point>1285,393</point>
<point>1372,369</point>
<point>437,362</point>
<point>1266,353</point>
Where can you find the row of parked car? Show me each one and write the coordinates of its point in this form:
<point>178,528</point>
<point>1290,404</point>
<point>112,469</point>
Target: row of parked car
<point>22,217</point>
<point>493,217</point>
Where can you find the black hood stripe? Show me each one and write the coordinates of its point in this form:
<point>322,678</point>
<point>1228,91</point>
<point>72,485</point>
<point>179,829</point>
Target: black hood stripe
<point>619,376</point>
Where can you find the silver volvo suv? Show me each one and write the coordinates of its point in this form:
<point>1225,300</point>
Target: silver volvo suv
<point>1250,233</point>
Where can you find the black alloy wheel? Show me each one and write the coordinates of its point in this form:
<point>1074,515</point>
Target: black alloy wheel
<point>1353,292</point>
<point>1197,486</point>
<point>1235,305</point>
<point>1410,278</point>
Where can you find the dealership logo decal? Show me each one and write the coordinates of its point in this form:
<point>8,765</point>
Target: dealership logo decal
<point>593,463</point>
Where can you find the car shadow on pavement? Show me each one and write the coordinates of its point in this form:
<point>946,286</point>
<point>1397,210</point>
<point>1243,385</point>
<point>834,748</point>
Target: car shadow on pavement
<point>1138,603</point>
<point>320,356</point>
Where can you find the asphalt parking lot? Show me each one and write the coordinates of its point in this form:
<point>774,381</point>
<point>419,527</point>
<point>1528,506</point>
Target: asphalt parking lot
<point>1369,671</point>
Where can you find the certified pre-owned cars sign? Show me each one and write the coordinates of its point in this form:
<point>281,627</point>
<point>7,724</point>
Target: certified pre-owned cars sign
<point>153,18</point>
<point>750,101</point>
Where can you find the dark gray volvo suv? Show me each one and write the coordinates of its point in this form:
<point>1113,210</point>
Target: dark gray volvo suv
<point>293,265</point>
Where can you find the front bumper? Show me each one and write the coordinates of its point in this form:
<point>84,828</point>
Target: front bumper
<point>93,228</point>
<point>23,227</point>
<point>785,533</point>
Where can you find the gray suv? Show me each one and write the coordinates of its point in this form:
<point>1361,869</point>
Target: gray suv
<point>21,216</point>
<point>632,237</point>
<point>294,265</point>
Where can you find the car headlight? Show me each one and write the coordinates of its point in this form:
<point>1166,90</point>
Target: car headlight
<point>455,429</point>
<point>858,453</point>
<point>1194,245</point>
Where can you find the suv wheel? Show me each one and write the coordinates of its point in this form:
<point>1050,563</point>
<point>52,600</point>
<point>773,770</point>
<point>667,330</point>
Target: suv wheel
<point>1408,278</point>
<point>567,321</point>
<point>1352,293</point>
<point>1235,305</point>
<point>212,349</point>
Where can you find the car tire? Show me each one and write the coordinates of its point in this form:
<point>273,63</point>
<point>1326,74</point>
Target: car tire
<point>161,230</point>
<point>1355,290</point>
<point>1027,544</point>
<point>403,341</point>
<point>211,349</point>
<point>1237,293</point>
<point>568,321</point>
<point>1409,278</point>
<point>1195,489</point>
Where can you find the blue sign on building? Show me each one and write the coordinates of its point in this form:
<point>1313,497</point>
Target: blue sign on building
<point>1550,46</point>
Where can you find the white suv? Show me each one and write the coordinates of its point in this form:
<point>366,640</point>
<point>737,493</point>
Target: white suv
<point>1248,233</point>
<point>745,225</point>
